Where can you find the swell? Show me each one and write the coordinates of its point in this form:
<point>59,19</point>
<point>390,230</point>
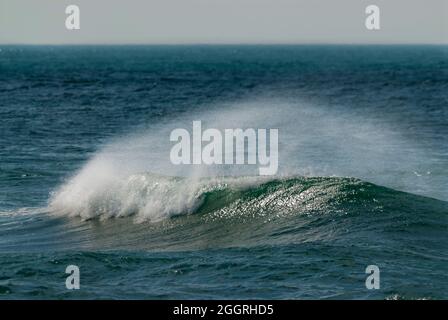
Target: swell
<point>232,212</point>
<point>149,197</point>
<point>249,210</point>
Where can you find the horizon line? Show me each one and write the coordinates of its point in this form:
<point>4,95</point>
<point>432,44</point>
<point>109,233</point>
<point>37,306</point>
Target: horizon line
<point>236,44</point>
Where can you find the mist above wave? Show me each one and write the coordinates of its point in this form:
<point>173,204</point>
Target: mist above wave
<point>132,175</point>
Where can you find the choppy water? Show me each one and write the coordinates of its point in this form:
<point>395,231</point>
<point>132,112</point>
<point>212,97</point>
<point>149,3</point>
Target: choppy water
<point>85,176</point>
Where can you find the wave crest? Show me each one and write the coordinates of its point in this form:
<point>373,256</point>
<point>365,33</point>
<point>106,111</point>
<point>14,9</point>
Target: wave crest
<point>151,197</point>
<point>148,196</point>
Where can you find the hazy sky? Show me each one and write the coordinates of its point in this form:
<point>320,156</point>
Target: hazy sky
<point>223,21</point>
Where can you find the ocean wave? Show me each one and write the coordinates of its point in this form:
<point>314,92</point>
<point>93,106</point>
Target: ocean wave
<point>148,197</point>
<point>151,197</point>
<point>155,212</point>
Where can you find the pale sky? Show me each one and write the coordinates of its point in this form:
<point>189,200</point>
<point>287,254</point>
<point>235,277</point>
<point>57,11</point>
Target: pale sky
<point>223,21</point>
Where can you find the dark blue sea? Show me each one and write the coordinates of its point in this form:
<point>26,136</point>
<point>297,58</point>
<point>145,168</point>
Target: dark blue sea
<point>86,177</point>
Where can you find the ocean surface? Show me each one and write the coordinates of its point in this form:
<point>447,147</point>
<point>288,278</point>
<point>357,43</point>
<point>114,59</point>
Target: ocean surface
<point>86,178</point>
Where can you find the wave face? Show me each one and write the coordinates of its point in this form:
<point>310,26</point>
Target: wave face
<point>150,197</point>
<point>242,211</point>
